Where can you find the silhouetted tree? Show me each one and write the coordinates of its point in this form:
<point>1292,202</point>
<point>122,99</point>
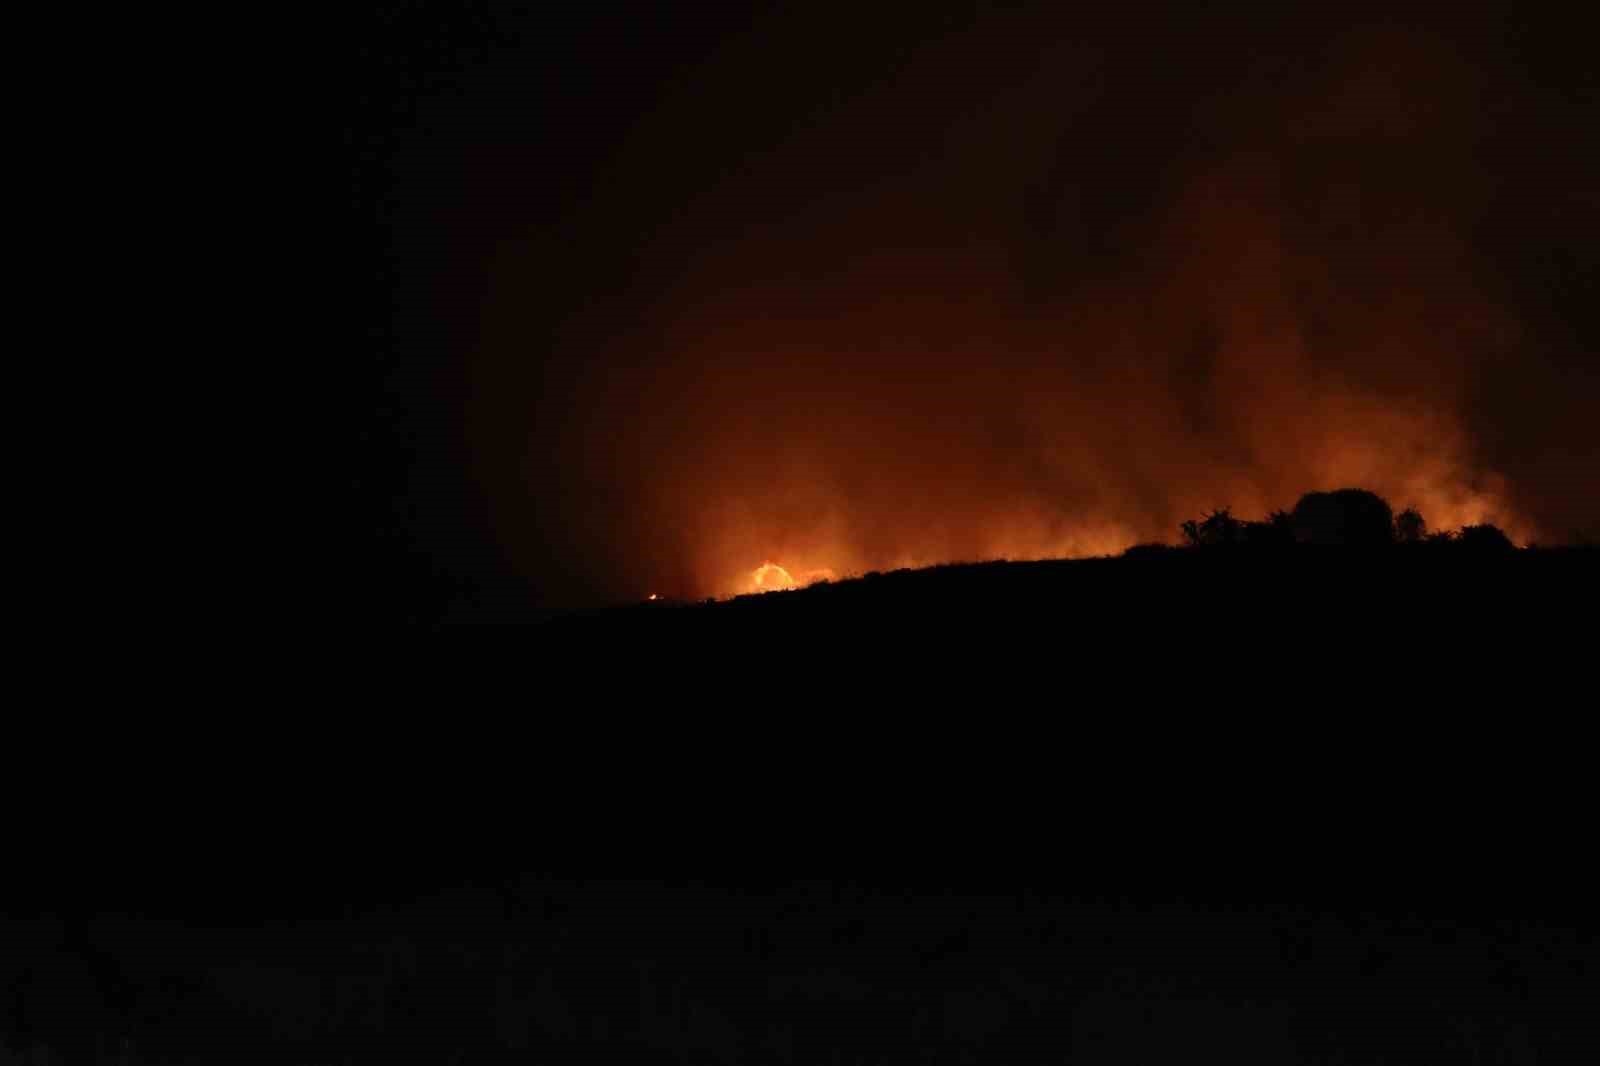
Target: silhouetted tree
<point>1350,517</point>
<point>1484,537</point>
<point>1410,527</point>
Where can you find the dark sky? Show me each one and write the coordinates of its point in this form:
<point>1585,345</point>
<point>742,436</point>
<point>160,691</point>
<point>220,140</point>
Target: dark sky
<point>656,294</point>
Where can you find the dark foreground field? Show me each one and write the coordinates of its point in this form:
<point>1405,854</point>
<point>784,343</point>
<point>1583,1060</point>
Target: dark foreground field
<point>1203,805</point>
<point>965,968</point>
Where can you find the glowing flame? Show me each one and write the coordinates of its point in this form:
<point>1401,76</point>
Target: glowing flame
<point>653,597</point>
<point>769,577</point>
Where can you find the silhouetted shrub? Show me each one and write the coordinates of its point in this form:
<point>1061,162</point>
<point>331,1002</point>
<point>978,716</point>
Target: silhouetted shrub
<point>1443,536</point>
<point>1349,517</point>
<point>1410,527</point>
<point>1148,551</point>
<point>1217,528</point>
<point>1484,537</point>
<point>1276,531</point>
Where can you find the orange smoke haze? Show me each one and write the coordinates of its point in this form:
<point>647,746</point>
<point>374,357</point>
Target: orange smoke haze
<point>1001,305</point>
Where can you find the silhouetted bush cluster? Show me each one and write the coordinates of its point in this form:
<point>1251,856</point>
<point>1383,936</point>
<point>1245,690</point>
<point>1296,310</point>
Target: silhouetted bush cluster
<point>1220,527</point>
<point>1484,538</point>
<point>1410,527</point>
<point>1216,528</point>
<point>1350,518</point>
<point>1148,551</point>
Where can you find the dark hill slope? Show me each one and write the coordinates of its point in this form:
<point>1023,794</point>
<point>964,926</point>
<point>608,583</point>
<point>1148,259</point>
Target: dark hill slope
<point>1169,590</point>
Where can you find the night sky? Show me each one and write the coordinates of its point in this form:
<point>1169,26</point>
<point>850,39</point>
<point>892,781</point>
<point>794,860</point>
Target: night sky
<point>652,294</point>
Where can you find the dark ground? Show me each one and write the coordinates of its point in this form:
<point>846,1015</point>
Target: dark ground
<point>964,968</point>
<point>1304,808</point>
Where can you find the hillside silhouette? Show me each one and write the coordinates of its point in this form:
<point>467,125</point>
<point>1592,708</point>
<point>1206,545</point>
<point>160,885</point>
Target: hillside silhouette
<point>1337,557</point>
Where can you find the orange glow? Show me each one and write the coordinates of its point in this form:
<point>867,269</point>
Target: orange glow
<point>989,430</point>
<point>1033,344</point>
<point>770,577</point>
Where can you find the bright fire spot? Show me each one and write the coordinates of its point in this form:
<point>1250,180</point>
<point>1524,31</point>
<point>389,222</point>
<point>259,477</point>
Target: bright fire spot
<point>769,577</point>
<point>653,596</point>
